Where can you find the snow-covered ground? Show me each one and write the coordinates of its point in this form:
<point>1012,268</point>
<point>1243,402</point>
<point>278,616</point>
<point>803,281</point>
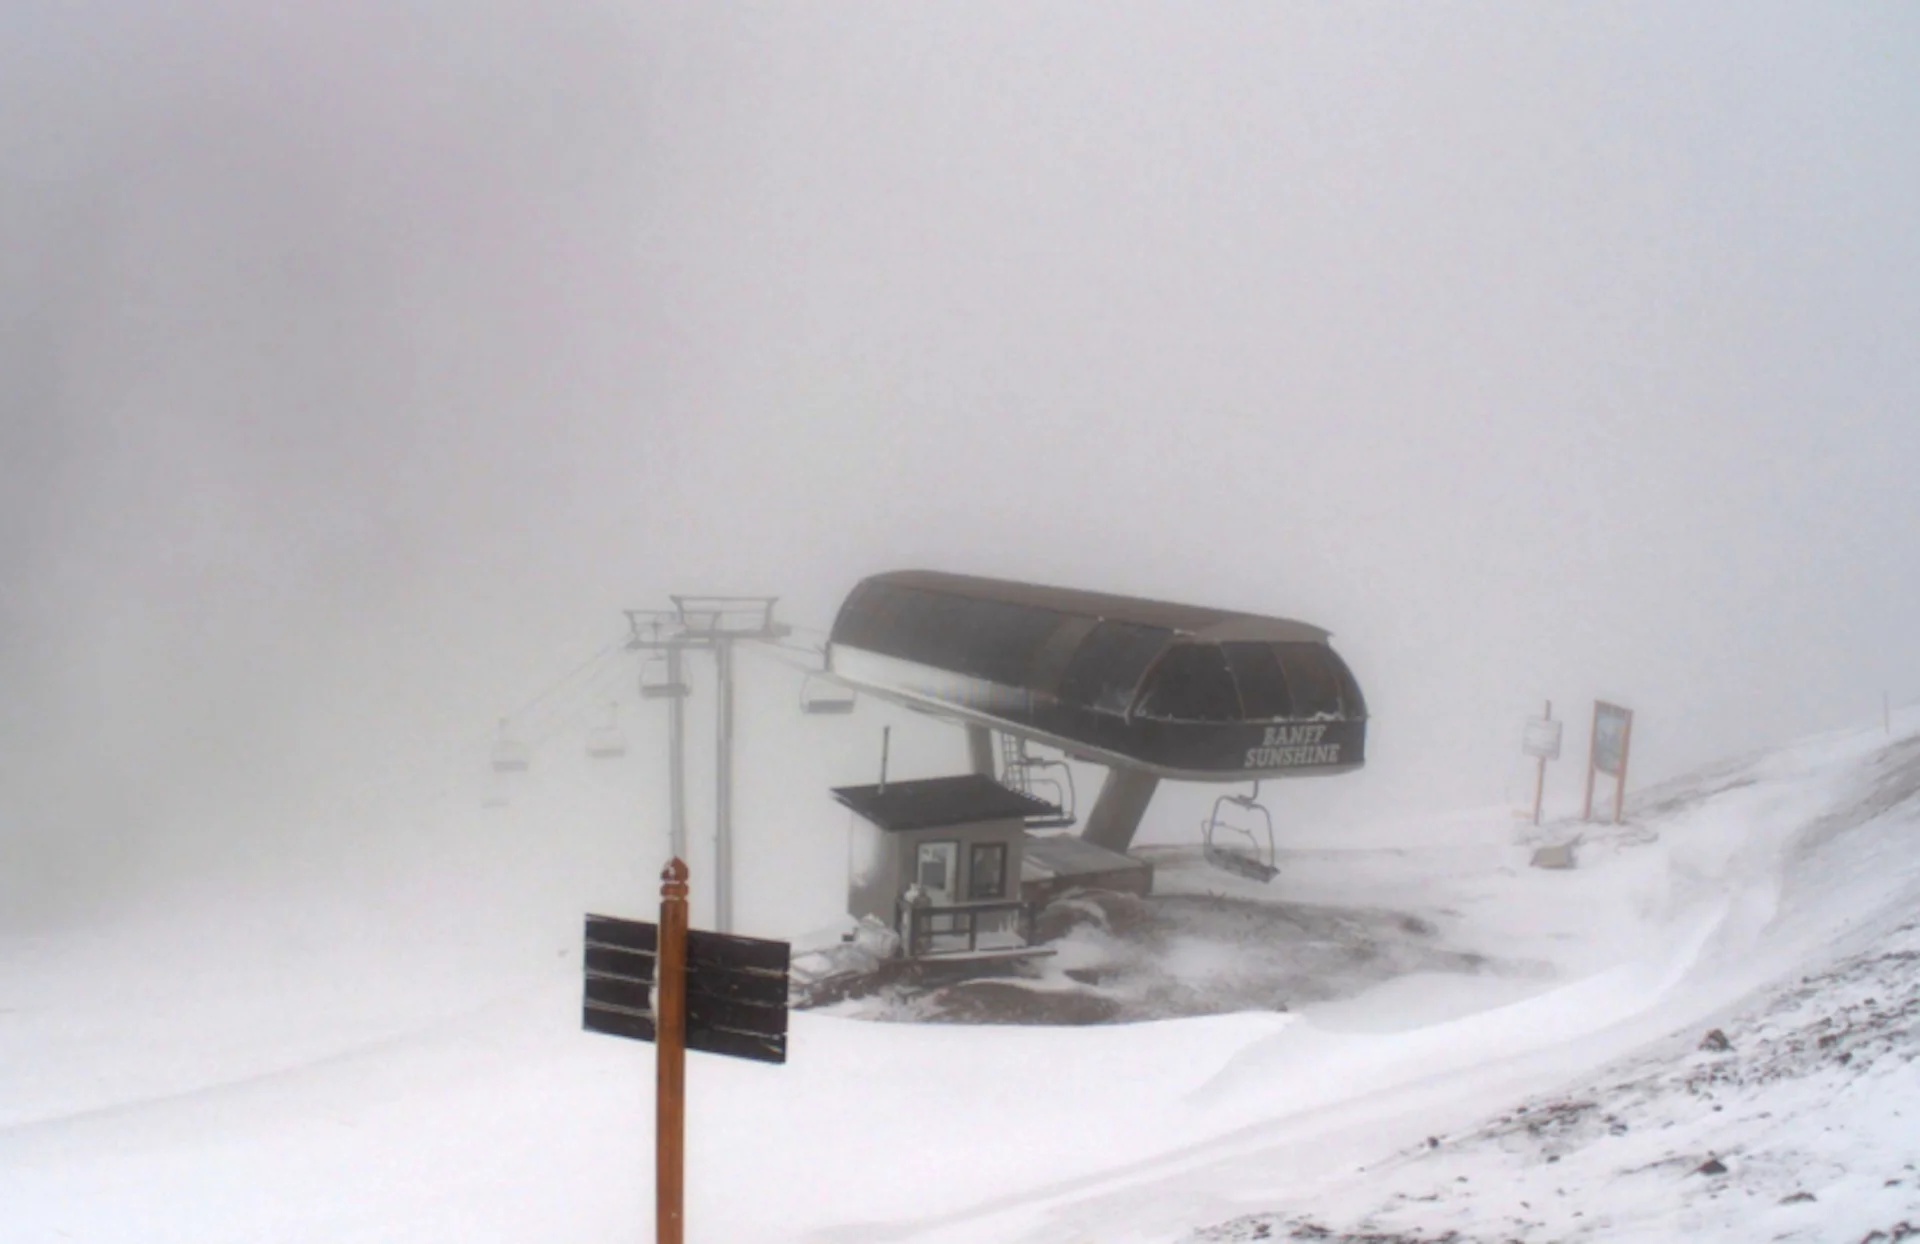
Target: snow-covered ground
<point>402,1060</point>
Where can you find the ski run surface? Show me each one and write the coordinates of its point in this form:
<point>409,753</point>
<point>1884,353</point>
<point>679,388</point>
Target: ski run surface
<point>1705,1031</point>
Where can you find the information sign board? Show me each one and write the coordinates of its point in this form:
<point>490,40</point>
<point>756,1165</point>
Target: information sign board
<point>1610,725</point>
<point>1542,739</point>
<point>736,988</point>
<point>1612,742</point>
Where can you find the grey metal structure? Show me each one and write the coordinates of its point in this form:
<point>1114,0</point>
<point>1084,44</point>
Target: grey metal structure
<point>677,751</point>
<point>713,623</point>
<point>1241,842</point>
<point>1152,690</point>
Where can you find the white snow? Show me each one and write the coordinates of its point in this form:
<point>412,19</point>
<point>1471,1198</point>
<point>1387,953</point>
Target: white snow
<point>407,1064</point>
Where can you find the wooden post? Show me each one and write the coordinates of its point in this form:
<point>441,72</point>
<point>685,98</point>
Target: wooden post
<point>1540,778</point>
<point>1593,737</point>
<point>1620,788</point>
<point>670,1046</point>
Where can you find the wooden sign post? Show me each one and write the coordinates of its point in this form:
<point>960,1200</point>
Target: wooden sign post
<point>670,1083</point>
<point>1542,742</point>
<point>683,989</point>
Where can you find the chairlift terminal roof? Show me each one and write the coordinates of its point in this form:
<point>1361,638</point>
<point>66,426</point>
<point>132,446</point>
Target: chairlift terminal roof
<point>1182,691</point>
<point>935,803</point>
<point>1198,621</point>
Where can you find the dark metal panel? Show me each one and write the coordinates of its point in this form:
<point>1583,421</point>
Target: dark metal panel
<point>765,988</point>
<point>634,965</point>
<point>1312,677</point>
<point>1006,639</point>
<point>1050,662</point>
<point>760,1049</point>
<point>859,620</point>
<point>729,950</point>
<point>626,934</point>
<point>996,630</point>
<point>1263,688</point>
<point>1191,683</point>
<point>1105,671</point>
<point>606,995</point>
<point>1188,619</point>
<point>617,1023</point>
<point>766,1021</point>
<point>736,988</point>
<point>612,991</point>
<point>1351,697</point>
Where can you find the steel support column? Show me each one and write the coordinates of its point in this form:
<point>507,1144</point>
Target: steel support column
<point>723,794</point>
<point>980,749</point>
<point>1116,813</point>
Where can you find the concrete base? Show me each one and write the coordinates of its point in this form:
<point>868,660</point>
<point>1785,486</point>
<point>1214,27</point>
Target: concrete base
<point>1052,864</point>
<point>1560,856</point>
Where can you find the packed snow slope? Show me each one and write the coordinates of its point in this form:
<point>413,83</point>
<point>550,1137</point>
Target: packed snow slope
<point>405,1062</point>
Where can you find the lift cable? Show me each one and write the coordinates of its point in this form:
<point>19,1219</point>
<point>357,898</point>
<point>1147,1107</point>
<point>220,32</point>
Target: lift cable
<point>595,668</point>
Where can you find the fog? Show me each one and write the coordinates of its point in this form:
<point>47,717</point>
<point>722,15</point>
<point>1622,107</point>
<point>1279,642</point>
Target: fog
<point>359,364</point>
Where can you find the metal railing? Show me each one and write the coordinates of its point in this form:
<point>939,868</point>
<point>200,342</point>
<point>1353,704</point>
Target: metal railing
<point>963,928</point>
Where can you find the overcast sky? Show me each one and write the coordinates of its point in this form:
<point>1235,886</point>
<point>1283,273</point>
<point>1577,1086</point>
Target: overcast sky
<point>359,363</point>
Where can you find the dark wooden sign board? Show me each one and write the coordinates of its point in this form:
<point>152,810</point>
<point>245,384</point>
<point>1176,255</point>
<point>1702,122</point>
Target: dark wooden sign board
<point>736,988</point>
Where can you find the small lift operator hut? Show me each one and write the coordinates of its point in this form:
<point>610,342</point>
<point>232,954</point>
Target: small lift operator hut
<point>939,860</point>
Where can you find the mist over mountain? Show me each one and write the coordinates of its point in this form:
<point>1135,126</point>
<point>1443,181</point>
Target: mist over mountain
<point>359,365</point>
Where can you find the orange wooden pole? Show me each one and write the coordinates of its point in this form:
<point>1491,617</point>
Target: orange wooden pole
<point>670,1046</point>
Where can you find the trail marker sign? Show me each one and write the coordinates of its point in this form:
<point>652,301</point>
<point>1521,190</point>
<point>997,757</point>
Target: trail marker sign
<point>682,989</point>
<point>1542,737</point>
<point>736,988</point>
<point>1608,753</point>
<point>1542,742</point>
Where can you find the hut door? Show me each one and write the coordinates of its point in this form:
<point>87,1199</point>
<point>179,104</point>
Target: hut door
<point>936,868</point>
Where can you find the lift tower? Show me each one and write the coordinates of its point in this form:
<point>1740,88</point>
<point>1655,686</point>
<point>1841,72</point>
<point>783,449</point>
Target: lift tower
<point>713,623</point>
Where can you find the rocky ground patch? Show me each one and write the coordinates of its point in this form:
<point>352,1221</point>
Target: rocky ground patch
<point>1792,1119</point>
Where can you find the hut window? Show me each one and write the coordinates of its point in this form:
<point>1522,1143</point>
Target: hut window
<point>987,870</point>
<point>934,866</point>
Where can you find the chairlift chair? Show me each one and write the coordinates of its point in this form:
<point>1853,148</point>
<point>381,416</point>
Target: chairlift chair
<point>509,754</point>
<point>606,742</point>
<point>1048,780</point>
<point>821,696</point>
<point>656,681</point>
<point>1240,841</point>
